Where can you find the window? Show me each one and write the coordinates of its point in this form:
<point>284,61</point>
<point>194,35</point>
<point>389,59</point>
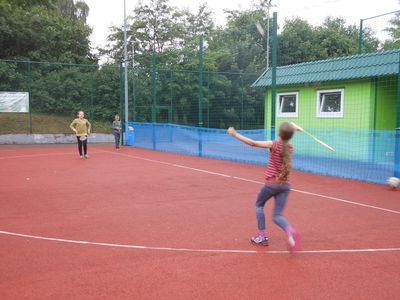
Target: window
<point>330,103</point>
<point>287,104</point>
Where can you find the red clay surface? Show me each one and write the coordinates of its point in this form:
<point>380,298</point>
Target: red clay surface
<point>114,197</point>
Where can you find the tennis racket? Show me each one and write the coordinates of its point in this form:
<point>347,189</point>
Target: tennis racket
<point>312,136</point>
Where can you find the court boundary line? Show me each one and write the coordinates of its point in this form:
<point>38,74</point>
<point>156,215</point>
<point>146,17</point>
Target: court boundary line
<point>173,249</point>
<point>255,181</point>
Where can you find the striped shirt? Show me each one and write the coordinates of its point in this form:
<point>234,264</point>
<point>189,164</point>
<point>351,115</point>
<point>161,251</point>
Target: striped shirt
<point>275,161</point>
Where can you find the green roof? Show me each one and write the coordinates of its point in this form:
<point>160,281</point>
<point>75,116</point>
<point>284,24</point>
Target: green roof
<point>350,67</point>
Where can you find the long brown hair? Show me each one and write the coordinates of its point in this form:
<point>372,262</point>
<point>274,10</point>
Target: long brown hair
<point>286,132</point>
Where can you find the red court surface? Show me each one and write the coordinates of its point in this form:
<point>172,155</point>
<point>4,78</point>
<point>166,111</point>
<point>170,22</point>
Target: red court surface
<point>141,224</point>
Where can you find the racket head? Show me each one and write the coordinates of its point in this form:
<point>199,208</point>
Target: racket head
<point>83,138</point>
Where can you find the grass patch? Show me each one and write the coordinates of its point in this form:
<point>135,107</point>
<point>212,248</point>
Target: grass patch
<point>13,123</point>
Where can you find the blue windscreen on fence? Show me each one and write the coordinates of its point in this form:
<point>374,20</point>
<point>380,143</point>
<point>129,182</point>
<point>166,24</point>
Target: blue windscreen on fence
<point>360,154</point>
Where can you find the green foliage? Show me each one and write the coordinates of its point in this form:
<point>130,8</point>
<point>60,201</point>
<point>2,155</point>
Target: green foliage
<point>38,30</point>
<point>106,92</point>
<point>239,47</point>
<point>301,42</point>
<point>394,32</point>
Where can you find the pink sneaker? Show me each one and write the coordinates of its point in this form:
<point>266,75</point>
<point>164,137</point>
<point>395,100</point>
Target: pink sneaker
<point>294,241</point>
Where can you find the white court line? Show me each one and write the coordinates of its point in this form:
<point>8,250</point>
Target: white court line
<point>200,170</point>
<point>257,182</point>
<point>348,201</point>
<point>238,251</point>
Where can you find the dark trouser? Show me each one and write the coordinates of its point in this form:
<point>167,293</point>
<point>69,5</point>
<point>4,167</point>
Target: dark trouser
<point>117,137</point>
<point>80,144</point>
<point>280,193</point>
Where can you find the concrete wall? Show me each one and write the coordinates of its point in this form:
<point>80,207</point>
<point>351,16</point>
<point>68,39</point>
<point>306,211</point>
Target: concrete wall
<point>8,139</point>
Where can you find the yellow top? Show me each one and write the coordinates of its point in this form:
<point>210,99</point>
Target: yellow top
<point>82,126</point>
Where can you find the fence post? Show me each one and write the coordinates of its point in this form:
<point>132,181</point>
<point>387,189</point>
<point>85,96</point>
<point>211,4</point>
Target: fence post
<point>208,99</point>
<point>133,91</point>
<point>361,37</point>
<point>92,92</point>
<point>274,63</point>
<point>121,111</point>
<point>242,101</point>
<point>154,97</point>
<point>29,96</point>
<point>201,69</point>
<point>171,103</point>
<point>397,130</point>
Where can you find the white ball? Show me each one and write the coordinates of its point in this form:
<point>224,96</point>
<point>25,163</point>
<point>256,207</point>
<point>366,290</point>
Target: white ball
<point>393,182</point>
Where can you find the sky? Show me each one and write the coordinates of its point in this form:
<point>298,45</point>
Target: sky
<point>106,13</point>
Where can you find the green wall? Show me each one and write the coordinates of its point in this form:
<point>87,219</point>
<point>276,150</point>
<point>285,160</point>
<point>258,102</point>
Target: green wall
<point>357,105</point>
<point>368,104</point>
<point>386,103</point>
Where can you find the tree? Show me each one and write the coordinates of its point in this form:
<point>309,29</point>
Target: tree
<point>73,9</point>
<point>297,42</point>
<point>337,39</point>
<point>394,32</point>
<point>301,42</point>
<point>239,47</point>
<point>66,8</point>
<point>26,4</point>
<point>158,20</point>
<point>81,11</point>
<point>157,26</point>
<point>42,32</point>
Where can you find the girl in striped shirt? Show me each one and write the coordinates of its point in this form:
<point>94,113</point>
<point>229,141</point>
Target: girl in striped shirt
<point>277,183</point>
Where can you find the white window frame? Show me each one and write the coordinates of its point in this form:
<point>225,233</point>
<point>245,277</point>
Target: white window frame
<point>321,114</point>
<point>279,112</point>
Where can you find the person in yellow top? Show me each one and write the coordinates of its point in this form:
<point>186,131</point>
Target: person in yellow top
<point>81,127</point>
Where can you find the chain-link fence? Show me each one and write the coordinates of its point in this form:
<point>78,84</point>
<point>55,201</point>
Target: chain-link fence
<point>228,99</point>
<point>379,31</point>
<point>57,91</point>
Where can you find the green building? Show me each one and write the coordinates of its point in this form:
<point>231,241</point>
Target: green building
<point>350,102</point>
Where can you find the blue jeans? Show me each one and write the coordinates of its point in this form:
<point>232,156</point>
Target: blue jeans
<point>280,192</point>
